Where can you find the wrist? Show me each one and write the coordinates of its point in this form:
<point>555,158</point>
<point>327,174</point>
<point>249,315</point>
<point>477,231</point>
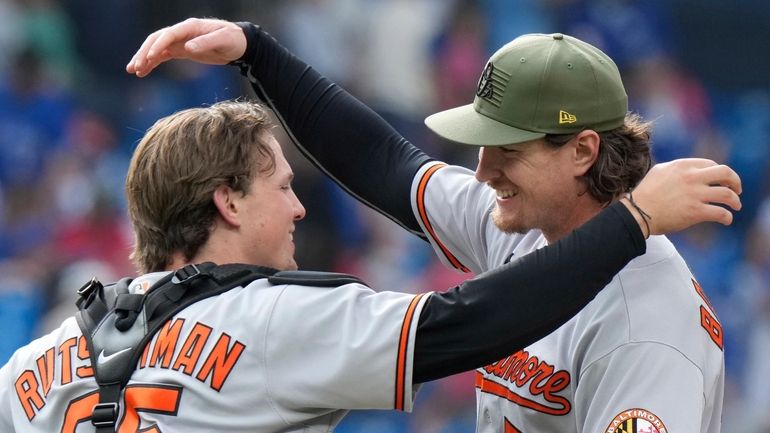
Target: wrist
<point>642,218</point>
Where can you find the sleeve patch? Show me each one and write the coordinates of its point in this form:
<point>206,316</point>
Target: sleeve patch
<point>636,421</point>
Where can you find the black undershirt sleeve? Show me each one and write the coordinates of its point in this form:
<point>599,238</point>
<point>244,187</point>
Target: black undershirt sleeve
<point>506,309</point>
<point>340,135</point>
<point>484,319</point>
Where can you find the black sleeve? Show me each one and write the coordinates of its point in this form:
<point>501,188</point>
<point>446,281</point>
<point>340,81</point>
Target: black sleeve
<point>506,309</point>
<point>343,137</point>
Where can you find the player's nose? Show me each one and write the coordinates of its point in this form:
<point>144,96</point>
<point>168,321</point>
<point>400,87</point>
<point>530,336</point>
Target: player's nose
<point>299,210</point>
<point>488,166</point>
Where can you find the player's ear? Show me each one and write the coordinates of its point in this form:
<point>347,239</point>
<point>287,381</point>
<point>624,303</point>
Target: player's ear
<point>586,151</point>
<point>225,199</point>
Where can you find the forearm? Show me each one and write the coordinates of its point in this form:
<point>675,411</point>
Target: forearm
<point>339,134</point>
<point>511,307</point>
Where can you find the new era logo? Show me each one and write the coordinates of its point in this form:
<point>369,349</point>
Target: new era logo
<point>565,117</point>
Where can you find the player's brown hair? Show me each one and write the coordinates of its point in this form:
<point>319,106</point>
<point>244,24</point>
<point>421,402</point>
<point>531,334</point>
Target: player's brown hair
<point>624,158</point>
<point>178,165</point>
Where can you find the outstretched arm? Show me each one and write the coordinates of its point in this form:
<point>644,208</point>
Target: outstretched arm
<point>362,152</point>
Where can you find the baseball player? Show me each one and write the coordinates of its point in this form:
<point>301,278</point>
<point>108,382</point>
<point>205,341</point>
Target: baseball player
<point>212,185</point>
<point>556,145</point>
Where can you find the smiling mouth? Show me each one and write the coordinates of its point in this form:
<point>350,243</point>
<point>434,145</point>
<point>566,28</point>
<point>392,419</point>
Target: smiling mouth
<point>505,193</point>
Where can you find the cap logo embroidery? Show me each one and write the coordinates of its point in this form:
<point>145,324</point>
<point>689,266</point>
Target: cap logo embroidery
<point>485,88</point>
<point>565,117</point>
<point>492,85</point>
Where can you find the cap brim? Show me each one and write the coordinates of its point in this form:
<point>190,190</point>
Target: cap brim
<point>464,125</point>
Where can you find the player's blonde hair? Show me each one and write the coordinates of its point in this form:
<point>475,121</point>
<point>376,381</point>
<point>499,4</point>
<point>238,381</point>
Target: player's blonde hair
<point>624,158</point>
<point>178,165</point>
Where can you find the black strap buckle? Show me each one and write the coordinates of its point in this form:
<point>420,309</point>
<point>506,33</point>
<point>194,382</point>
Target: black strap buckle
<point>104,415</point>
<point>186,273</point>
<point>87,292</point>
<point>89,287</point>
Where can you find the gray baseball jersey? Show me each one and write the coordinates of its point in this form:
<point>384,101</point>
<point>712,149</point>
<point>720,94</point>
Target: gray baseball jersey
<point>645,356</point>
<point>264,358</point>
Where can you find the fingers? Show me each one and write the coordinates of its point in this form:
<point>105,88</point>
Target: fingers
<point>163,45</point>
<point>138,60</point>
<point>208,41</point>
<point>708,171</point>
<point>684,192</point>
<point>723,195</point>
<point>717,214</point>
<point>179,32</point>
<point>724,176</point>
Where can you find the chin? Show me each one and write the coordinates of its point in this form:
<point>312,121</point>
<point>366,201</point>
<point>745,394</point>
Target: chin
<point>291,266</point>
<point>508,223</point>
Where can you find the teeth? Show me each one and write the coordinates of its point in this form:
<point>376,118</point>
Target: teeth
<point>505,193</point>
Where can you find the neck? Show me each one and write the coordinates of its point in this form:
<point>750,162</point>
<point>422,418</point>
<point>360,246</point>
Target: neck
<point>580,213</point>
<point>218,249</point>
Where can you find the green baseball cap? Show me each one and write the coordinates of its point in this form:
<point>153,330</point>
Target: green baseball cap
<point>535,85</point>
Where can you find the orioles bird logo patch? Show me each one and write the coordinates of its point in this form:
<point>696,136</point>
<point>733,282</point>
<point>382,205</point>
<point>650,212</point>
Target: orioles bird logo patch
<point>636,421</point>
<point>485,88</point>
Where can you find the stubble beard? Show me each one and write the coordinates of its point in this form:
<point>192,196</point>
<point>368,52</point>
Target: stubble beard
<point>508,225</point>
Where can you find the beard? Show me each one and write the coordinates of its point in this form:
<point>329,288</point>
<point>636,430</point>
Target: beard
<point>507,223</point>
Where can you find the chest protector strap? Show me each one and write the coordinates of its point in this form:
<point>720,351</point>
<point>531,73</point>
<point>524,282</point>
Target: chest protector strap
<point>118,325</point>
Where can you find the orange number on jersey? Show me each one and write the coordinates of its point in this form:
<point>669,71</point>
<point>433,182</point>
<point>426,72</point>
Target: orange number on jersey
<point>79,410</point>
<point>161,399</point>
<point>708,321</point>
<point>712,326</point>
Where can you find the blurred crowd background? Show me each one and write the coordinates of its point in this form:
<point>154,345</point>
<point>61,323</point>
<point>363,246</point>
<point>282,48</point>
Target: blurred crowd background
<point>70,117</point>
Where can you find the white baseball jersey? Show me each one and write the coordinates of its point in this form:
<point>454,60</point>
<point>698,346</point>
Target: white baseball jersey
<point>645,356</point>
<point>263,358</point>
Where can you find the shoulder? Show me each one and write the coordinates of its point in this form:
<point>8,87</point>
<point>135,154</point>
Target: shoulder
<point>657,299</point>
<point>659,250</point>
<point>439,179</point>
<point>313,278</point>
<point>54,340</point>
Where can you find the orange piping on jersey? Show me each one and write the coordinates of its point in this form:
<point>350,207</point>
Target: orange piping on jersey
<point>490,387</point>
<point>403,344</point>
<point>424,217</point>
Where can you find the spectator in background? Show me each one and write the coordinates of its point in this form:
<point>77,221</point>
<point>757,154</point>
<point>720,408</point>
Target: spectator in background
<point>752,312</point>
<point>11,33</point>
<point>322,30</point>
<point>395,73</point>
<point>50,34</point>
